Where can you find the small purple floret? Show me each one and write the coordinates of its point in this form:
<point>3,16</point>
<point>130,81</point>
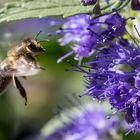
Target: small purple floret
<point>135,4</point>
<point>88,2</point>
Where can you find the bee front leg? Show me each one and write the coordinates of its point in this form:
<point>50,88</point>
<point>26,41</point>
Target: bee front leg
<point>42,68</point>
<point>19,86</point>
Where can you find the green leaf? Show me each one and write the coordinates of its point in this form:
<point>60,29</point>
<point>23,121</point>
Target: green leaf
<point>41,8</point>
<point>45,8</point>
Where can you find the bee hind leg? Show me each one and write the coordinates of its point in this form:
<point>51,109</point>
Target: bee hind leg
<point>19,86</point>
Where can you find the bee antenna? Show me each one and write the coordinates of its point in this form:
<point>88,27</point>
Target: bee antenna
<point>37,35</point>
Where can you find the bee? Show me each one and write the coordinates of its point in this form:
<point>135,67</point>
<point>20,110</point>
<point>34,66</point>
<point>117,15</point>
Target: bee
<point>20,62</point>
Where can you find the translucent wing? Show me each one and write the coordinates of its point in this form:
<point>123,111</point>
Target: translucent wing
<point>22,66</point>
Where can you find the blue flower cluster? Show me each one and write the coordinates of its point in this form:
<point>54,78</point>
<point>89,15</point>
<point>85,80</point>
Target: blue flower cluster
<point>114,72</point>
<point>88,125</point>
<point>87,34</point>
<point>115,75</point>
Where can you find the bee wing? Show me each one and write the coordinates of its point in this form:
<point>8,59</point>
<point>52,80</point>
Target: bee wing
<point>19,67</point>
<point>25,67</point>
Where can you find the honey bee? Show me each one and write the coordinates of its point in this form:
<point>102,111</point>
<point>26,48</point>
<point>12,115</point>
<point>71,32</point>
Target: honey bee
<point>20,62</point>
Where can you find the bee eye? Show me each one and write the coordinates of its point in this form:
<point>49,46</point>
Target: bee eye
<point>34,48</point>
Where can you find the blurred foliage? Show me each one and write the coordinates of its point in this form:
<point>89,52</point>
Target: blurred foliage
<point>43,8</point>
<point>131,136</point>
<point>64,114</point>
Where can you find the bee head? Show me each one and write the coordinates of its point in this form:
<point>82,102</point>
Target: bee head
<point>33,46</point>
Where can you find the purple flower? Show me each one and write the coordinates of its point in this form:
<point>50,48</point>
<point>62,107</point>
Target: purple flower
<point>137,79</point>
<point>75,31</point>
<point>96,85</point>
<point>84,126</point>
<point>87,47</point>
<point>116,23</point>
<point>114,75</point>
<point>91,2</point>
<point>135,4</point>
<point>74,28</point>
<point>88,2</point>
<point>119,95</point>
<point>86,35</point>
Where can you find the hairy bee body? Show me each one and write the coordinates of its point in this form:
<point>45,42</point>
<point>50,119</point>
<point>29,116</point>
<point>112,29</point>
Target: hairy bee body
<point>20,62</point>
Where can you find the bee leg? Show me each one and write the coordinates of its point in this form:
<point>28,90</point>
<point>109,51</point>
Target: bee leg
<point>19,86</point>
<point>41,68</point>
